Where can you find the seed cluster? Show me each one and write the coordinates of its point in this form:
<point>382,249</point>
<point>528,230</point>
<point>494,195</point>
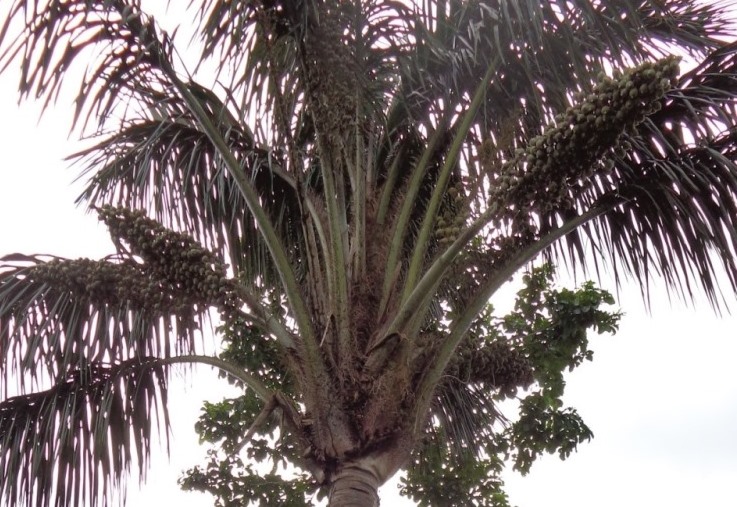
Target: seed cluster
<point>109,283</point>
<point>451,221</point>
<point>494,364</point>
<point>171,256</point>
<point>538,177</point>
<point>332,73</point>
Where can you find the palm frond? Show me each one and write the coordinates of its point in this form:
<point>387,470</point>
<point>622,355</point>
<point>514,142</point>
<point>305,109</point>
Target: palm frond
<point>467,414</point>
<point>702,104</point>
<point>223,25</point>
<point>74,444</point>
<point>693,27</point>
<point>674,218</point>
<point>120,42</point>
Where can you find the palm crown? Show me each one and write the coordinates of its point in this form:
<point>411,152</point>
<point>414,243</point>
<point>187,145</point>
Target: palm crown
<point>347,189</point>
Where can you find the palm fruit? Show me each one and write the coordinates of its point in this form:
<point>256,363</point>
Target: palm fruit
<point>487,155</point>
<point>171,256</point>
<point>539,176</point>
<point>103,283</point>
<point>454,215</point>
<point>331,71</point>
<point>494,364</point>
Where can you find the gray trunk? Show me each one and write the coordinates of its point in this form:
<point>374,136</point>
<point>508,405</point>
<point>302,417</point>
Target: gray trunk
<point>354,486</point>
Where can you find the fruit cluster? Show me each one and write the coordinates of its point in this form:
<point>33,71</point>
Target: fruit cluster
<point>331,71</point>
<point>105,283</point>
<point>173,257</point>
<point>493,363</point>
<point>453,216</point>
<point>539,177</point>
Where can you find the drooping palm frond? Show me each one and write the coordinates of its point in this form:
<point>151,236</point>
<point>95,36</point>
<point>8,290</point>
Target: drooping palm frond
<point>542,53</point>
<point>59,35</point>
<point>467,414</point>
<point>72,444</point>
<point>674,219</point>
<point>656,152</point>
<point>694,27</point>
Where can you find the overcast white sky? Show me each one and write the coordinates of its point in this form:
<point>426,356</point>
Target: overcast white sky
<point>661,396</point>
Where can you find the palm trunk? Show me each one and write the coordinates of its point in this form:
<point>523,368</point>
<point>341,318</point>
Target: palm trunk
<point>354,486</point>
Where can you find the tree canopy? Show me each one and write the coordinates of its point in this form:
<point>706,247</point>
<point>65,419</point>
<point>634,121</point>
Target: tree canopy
<point>341,186</point>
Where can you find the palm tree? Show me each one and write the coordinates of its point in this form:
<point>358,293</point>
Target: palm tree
<point>347,190</point>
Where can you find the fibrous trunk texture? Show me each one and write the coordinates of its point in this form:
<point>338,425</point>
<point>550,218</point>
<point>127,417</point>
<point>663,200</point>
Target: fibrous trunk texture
<point>354,486</point>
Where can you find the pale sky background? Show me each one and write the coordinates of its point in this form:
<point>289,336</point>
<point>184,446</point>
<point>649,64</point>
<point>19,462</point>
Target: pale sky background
<point>660,396</point>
